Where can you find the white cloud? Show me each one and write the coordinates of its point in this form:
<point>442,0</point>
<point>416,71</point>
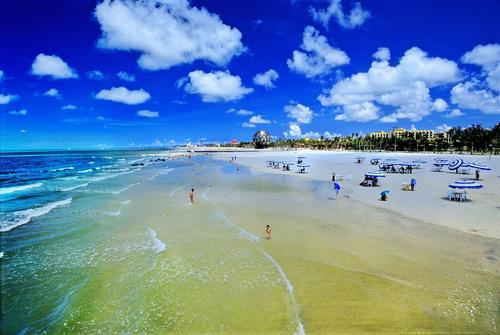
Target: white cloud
<point>454,113</point>
<point>23,131</point>
<point>294,131</point>
<point>53,93</point>
<point>404,86</point>
<point>54,66</point>
<point>258,119</point>
<point>362,112</point>
<point>439,105</point>
<point>382,54</point>
<point>244,112</point>
<point>216,86</point>
<point>19,112</point>
<point>443,128</point>
<point>148,113</point>
<point>126,76</point>
<point>69,107</point>
<point>299,112</point>
<point>356,17</point>
<point>319,58</point>
<point>470,95</point>
<point>95,75</point>
<point>5,99</point>
<point>476,93</point>
<point>485,56</point>
<point>266,79</point>
<point>124,95</point>
<point>2,75</point>
<point>166,33</point>
<point>248,125</point>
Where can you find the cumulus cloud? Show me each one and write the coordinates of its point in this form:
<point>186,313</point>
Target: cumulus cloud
<point>216,86</point>
<point>95,75</point>
<point>69,107</point>
<point>53,93</point>
<point>266,79</point>
<point>439,105</point>
<point>356,17</point>
<point>21,112</point>
<point>148,113</point>
<point>299,112</point>
<point>404,86</point>
<point>473,95</point>
<point>242,112</point>
<point>248,125</point>
<point>294,131</point>
<point>6,98</point>
<point>126,76</point>
<point>53,66</point>
<point>454,113</point>
<point>258,119</point>
<point>443,128</point>
<point>124,95</point>
<point>362,112</point>
<point>166,33</point>
<point>481,92</point>
<point>315,135</point>
<point>318,58</point>
<point>382,54</point>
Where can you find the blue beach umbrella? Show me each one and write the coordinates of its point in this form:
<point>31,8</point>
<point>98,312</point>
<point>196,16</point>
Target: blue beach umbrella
<point>375,174</point>
<point>385,192</point>
<point>478,166</point>
<point>456,164</point>
<point>465,184</point>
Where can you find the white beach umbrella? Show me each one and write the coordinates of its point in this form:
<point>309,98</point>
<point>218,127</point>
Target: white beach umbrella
<point>375,174</point>
<point>466,184</point>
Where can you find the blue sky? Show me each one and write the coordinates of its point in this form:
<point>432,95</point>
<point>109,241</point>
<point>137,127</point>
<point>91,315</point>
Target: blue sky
<point>116,74</point>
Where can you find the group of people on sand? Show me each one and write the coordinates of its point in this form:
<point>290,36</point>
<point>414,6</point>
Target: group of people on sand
<point>269,231</point>
<point>392,169</point>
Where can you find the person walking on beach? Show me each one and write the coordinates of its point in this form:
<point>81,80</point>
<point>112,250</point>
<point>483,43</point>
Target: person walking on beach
<point>477,174</point>
<point>413,183</point>
<point>191,195</point>
<point>269,232</point>
<point>336,188</point>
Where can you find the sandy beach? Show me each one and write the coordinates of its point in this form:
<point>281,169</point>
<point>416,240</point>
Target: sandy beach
<point>480,216</point>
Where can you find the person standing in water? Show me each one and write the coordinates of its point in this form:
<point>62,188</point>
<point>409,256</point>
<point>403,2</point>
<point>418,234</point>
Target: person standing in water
<point>477,174</point>
<point>191,195</point>
<point>269,232</point>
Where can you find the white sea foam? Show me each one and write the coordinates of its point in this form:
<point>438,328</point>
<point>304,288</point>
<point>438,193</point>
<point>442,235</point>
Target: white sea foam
<point>1,254</point>
<point>126,202</point>
<point>125,188</point>
<point>115,213</point>
<point>159,246</point>
<point>71,188</point>
<point>91,162</point>
<point>85,171</point>
<point>22,217</point>
<point>164,172</point>
<point>62,169</point>
<point>12,189</point>
<point>242,233</point>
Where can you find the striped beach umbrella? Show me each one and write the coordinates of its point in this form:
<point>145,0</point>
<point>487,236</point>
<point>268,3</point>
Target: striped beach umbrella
<point>456,164</point>
<point>478,166</point>
<point>375,174</point>
<point>466,184</point>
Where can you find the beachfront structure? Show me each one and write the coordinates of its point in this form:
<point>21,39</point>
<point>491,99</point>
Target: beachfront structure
<point>262,139</point>
<point>404,133</point>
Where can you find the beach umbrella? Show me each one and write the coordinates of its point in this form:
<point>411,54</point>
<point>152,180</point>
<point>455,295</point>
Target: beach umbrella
<point>466,184</point>
<point>385,192</point>
<point>440,163</point>
<point>478,166</point>
<point>456,164</point>
<point>375,174</point>
<point>419,161</point>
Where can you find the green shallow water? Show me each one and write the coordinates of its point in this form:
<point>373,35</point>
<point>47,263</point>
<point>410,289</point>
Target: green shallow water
<point>99,266</point>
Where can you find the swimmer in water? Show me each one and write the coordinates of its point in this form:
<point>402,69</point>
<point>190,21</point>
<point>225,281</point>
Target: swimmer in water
<point>191,195</point>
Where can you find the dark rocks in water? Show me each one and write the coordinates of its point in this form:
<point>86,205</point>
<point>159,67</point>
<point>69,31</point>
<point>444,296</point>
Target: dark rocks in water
<point>138,164</point>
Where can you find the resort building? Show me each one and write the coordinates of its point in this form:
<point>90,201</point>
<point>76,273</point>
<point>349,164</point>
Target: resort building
<point>404,133</point>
